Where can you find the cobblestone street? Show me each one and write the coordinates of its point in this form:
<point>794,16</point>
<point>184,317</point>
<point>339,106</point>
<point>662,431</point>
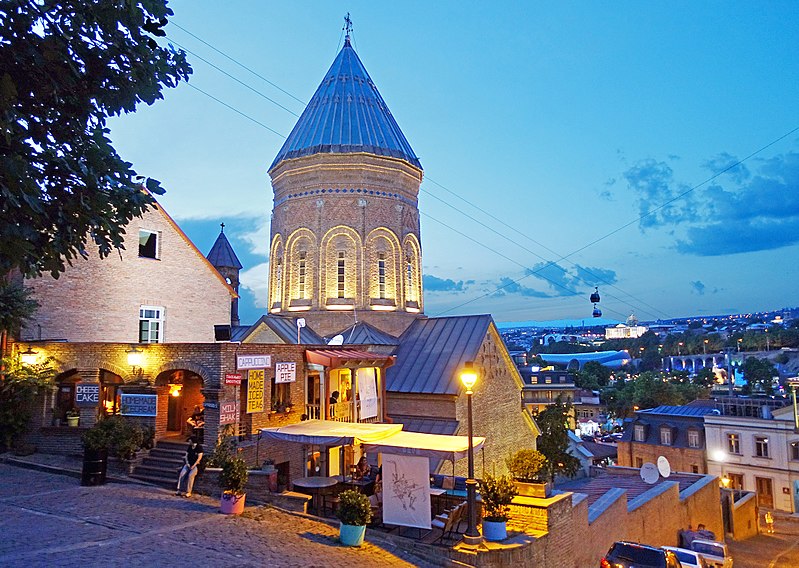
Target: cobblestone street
<point>48,519</point>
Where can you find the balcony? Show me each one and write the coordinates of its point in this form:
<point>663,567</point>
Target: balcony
<point>343,412</point>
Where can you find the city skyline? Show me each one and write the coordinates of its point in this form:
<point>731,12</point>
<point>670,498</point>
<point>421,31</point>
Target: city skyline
<point>564,125</point>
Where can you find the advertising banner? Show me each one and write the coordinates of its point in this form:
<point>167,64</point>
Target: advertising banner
<point>285,372</point>
<point>228,413</point>
<point>138,404</point>
<point>253,361</point>
<point>232,378</point>
<point>367,389</point>
<point>255,391</point>
<point>406,491</point>
<point>87,394</point>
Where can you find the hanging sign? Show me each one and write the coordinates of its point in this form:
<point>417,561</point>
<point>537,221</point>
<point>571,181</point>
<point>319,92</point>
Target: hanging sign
<point>232,378</point>
<point>87,394</point>
<point>255,391</point>
<point>285,372</point>
<point>228,413</point>
<point>253,361</point>
<point>138,404</point>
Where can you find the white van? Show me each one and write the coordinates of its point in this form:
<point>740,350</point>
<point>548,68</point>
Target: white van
<point>715,553</point>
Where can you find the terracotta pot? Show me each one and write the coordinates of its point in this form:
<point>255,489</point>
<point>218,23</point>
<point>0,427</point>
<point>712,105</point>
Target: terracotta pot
<point>232,504</point>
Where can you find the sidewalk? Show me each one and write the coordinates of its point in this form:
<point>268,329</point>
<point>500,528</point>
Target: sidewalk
<point>71,466</point>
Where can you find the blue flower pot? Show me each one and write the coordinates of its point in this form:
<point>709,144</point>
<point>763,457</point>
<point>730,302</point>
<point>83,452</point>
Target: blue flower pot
<point>494,530</point>
<point>351,535</point>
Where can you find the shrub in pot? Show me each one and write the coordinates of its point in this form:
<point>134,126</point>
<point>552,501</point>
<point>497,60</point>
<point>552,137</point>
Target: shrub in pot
<point>355,512</point>
<point>528,467</point>
<point>497,494</point>
<point>96,441</point>
<point>233,481</point>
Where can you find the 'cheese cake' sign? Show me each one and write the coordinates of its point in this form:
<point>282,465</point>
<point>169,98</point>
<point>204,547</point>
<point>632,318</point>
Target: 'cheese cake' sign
<point>87,394</point>
<point>253,361</point>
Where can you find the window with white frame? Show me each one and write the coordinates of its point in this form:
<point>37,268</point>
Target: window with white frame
<point>381,275</point>
<point>148,244</point>
<point>151,324</point>
<point>761,447</point>
<point>639,433</point>
<point>341,274</point>
<point>301,270</point>
<point>734,443</point>
<point>693,438</point>
<point>665,436</point>
<point>794,450</point>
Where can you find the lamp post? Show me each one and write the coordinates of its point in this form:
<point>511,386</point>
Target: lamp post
<point>704,348</point>
<point>679,348</point>
<point>472,535</point>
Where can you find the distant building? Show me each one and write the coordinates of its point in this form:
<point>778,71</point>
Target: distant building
<point>675,432</point>
<point>622,331</point>
<point>542,388</point>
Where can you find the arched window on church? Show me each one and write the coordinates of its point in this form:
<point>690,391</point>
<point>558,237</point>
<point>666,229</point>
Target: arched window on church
<point>342,272</point>
<point>301,274</point>
<point>381,275</point>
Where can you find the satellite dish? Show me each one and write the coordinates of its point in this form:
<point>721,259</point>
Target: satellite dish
<point>337,340</point>
<point>664,467</point>
<point>649,473</point>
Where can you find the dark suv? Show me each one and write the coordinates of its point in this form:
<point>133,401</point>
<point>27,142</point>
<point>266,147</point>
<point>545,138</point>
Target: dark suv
<point>634,555</point>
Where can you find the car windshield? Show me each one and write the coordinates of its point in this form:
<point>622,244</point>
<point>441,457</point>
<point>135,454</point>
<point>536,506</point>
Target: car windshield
<point>683,556</point>
<point>707,548</point>
<point>639,555</point>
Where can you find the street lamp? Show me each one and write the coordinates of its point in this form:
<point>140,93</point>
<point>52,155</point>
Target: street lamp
<point>739,344</point>
<point>679,348</point>
<point>472,535</point>
<point>704,348</point>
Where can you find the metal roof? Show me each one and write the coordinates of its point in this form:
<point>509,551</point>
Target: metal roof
<point>432,350</point>
<point>363,333</point>
<point>681,410</point>
<point>426,425</point>
<point>285,327</point>
<point>221,254</point>
<point>338,358</point>
<point>347,115</point>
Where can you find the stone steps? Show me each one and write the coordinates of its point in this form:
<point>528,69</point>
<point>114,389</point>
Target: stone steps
<point>162,465</point>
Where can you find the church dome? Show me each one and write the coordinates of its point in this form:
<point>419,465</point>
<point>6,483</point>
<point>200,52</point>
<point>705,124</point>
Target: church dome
<point>347,115</point>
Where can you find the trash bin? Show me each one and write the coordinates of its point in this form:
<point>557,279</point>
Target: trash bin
<point>95,466</point>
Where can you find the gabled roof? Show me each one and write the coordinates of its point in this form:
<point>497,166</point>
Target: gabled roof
<point>221,254</point>
<point>283,326</point>
<point>347,115</point>
<point>432,350</point>
<point>363,333</point>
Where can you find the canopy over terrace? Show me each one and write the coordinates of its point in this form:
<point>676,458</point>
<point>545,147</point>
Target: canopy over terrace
<point>389,438</point>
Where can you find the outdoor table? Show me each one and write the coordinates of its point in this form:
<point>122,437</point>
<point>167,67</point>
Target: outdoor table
<point>314,486</point>
<point>359,485</point>
<point>437,506</point>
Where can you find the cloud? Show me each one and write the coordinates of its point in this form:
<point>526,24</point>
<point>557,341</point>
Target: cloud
<point>509,286</point>
<point>743,210</point>
<point>572,281</point>
<point>698,287</point>
<point>256,280</point>
<point>434,284</point>
<point>259,239</point>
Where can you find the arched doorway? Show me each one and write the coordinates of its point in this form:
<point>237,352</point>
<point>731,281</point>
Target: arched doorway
<point>179,397</point>
<point>65,396</point>
<point>110,384</point>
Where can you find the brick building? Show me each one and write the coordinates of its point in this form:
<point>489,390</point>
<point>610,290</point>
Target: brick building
<point>675,432</point>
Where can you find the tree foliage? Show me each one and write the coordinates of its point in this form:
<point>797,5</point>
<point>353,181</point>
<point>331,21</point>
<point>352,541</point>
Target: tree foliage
<point>65,67</point>
<point>554,440</point>
<point>16,306</point>
<point>18,389</point>
<point>758,374</point>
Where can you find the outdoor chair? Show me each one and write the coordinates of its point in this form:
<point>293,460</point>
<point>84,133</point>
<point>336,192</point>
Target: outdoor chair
<point>449,522</point>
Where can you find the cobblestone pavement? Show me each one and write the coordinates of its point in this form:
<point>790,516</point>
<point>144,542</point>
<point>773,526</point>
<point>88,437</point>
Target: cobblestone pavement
<point>778,550</point>
<point>48,519</point>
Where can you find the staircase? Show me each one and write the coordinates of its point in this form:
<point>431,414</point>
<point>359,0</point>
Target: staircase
<point>162,465</point>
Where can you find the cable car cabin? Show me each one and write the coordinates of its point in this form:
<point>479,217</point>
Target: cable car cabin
<point>595,297</point>
<point>597,312</point>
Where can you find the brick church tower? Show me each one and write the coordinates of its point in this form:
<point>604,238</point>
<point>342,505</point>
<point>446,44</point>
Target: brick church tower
<point>345,242</point>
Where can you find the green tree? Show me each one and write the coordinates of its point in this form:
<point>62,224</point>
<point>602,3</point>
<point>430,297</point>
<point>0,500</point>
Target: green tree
<point>16,307</point>
<point>19,387</point>
<point>65,67</point>
<point>554,439</point>
<point>704,378</point>
<point>758,375</point>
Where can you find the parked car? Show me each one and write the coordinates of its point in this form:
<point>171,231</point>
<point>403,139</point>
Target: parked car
<point>688,558</point>
<point>716,554</point>
<point>634,555</point>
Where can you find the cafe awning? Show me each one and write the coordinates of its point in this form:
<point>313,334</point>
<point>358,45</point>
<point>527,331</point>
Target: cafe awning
<point>330,433</point>
<point>350,358</point>
<point>436,446</point>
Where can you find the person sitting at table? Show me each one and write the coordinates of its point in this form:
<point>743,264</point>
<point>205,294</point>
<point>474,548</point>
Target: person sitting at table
<point>362,469</point>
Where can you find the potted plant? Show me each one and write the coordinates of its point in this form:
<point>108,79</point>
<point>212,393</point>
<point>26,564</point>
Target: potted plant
<point>233,480</point>
<point>73,416</point>
<point>354,513</point>
<point>526,467</point>
<point>497,494</point>
<point>96,441</point>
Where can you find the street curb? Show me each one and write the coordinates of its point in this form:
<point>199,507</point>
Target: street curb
<point>66,472</point>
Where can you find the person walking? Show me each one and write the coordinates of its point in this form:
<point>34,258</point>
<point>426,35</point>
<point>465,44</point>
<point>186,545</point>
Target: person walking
<point>769,522</point>
<point>191,462</point>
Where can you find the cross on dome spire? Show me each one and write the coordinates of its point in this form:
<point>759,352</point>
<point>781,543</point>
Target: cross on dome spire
<point>347,29</point>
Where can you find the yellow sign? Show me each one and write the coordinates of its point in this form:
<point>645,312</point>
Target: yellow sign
<point>255,391</point>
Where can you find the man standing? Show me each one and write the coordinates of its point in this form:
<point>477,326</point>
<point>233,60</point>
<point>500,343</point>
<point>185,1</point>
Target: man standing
<point>191,461</point>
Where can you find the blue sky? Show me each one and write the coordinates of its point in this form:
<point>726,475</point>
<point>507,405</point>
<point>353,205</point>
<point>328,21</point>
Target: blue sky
<point>546,130</point>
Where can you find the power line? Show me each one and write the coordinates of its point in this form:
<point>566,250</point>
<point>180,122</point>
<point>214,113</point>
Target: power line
<point>237,111</point>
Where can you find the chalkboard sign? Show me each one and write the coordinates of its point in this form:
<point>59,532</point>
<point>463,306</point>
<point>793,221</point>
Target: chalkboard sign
<point>138,404</point>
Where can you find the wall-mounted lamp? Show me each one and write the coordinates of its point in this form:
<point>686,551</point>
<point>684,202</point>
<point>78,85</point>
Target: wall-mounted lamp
<point>134,358</point>
<point>29,356</point>
<point>174,389</point>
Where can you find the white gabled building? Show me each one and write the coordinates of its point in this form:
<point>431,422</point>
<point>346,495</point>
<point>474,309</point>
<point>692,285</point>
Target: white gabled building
<point>757,454</point>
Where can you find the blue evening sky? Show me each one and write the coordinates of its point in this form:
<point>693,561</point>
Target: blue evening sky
<point>546,130</point>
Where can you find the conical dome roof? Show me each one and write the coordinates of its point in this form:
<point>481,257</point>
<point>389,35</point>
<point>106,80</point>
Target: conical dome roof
<point>221,254</point>
<point>347,115</point>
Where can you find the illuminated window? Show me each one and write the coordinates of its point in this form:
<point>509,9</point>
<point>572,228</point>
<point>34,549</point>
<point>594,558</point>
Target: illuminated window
<point>341,274</point>
<point>301,273</point>
<point>734,443</point>
<point>409,269</point>
<point>148,244</point>
<point>381,275</point>
<point>693,438</point>
<point>151,321</point>
<point>761,447</point>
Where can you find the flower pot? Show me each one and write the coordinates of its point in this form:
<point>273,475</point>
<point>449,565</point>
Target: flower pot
<point>351,535</point>
<point>232,504</point>
<point>72,420</point>
<point>526,489</point>
<point>495,530</point>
